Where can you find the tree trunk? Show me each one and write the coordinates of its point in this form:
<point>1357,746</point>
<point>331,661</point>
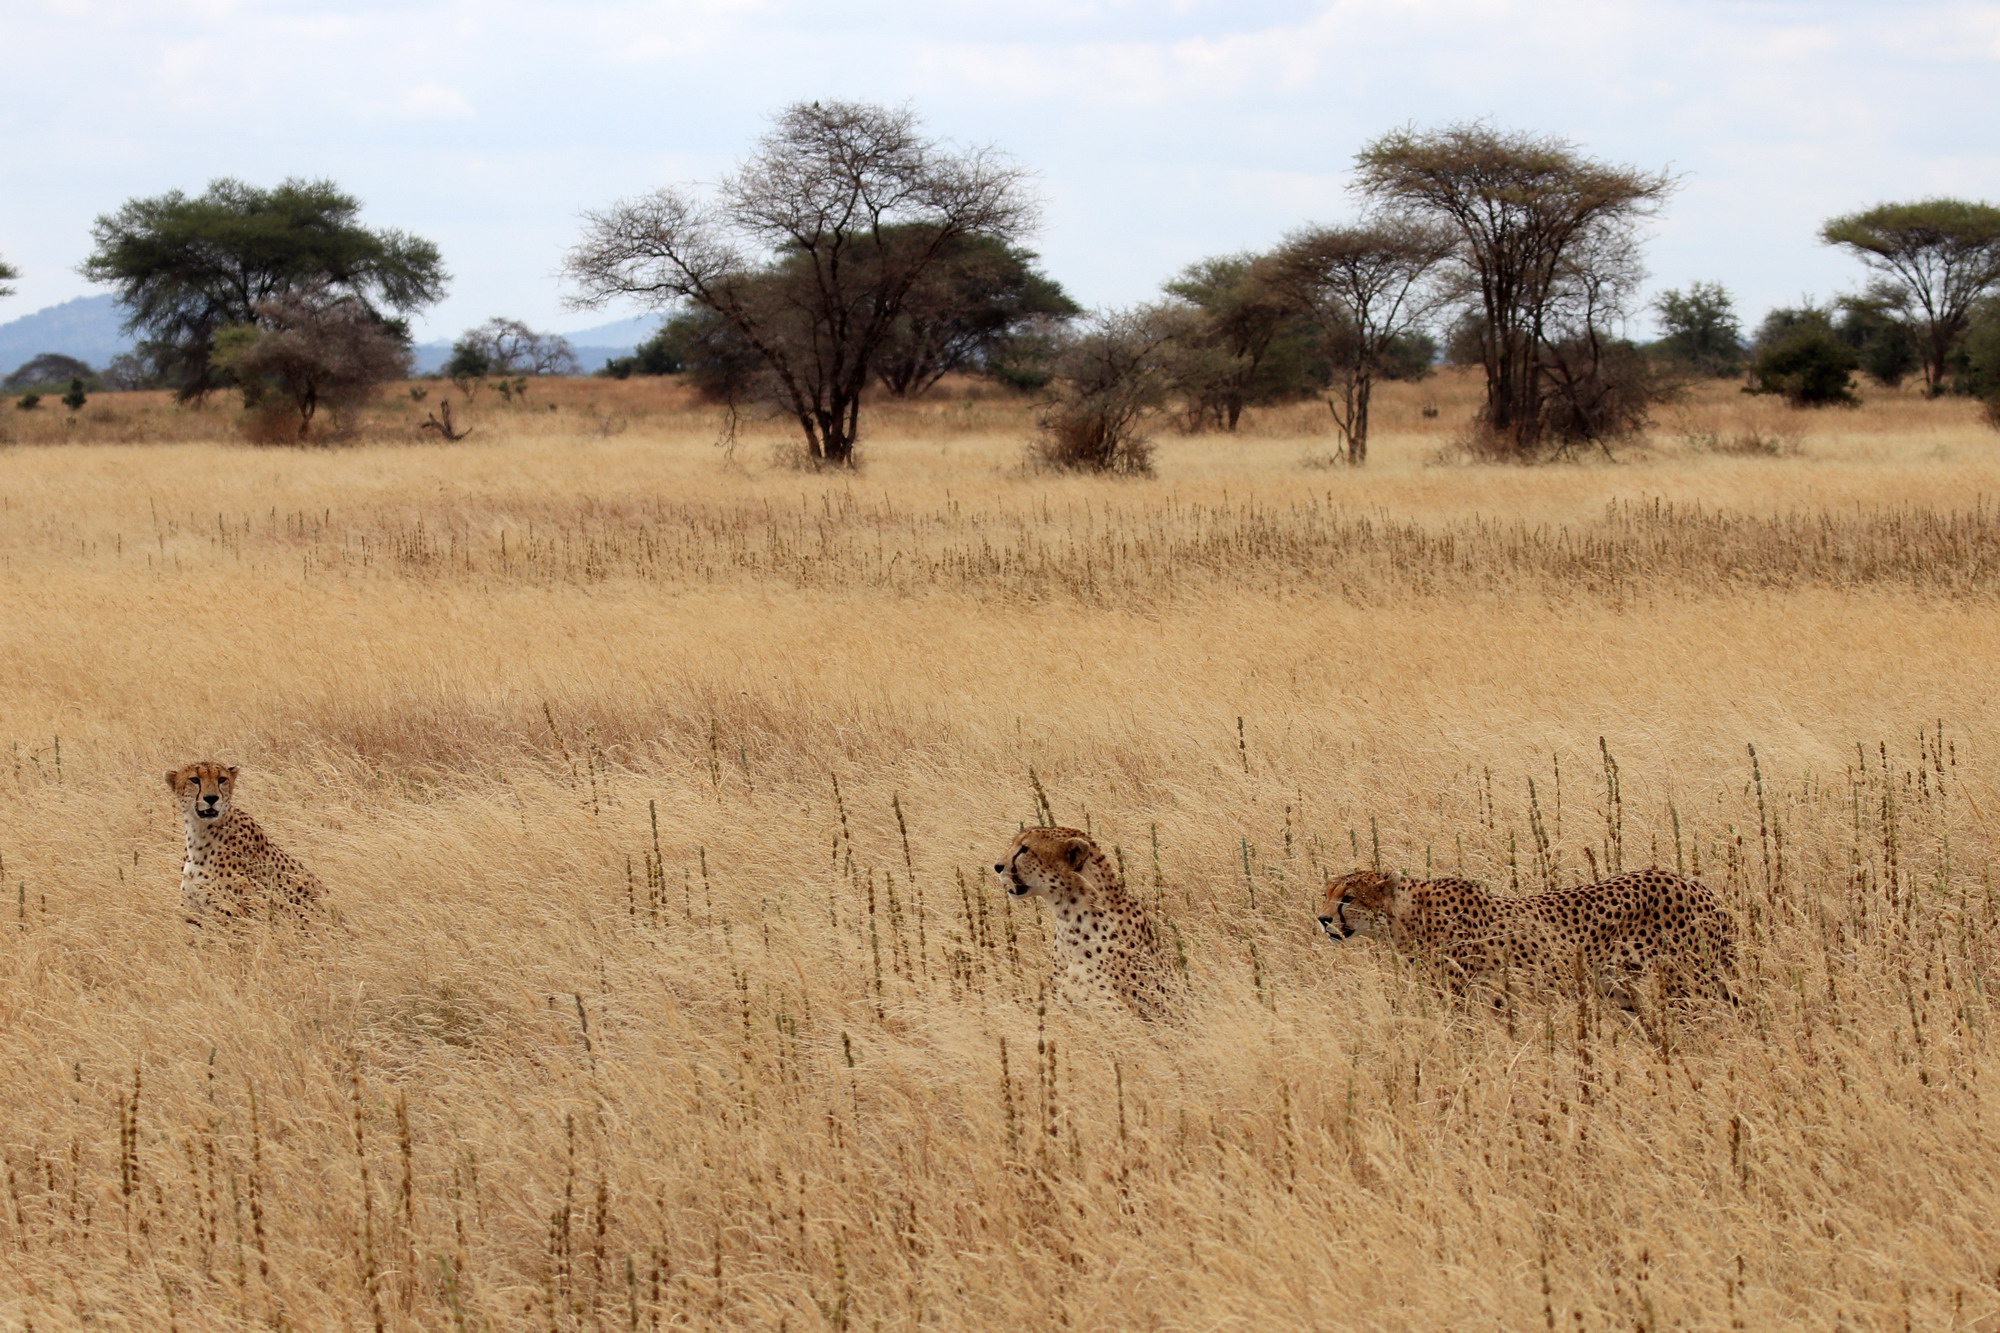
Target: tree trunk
<point>1512,392</point>
<point>831,431</point>
<point>1357,435</point>
<point>1934,363</point>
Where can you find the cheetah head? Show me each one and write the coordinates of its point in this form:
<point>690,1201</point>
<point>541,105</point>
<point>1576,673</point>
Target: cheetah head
<point>1360,903</point>
<point>1048,860</point>
<point>203,790</point>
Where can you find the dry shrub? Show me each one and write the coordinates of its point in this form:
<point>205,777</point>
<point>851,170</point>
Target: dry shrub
<point>1092,437</point>
<point>1764,442</point>
<point>1756,440</point>
<point>1601,393</point>
<point>1475,442</point>
<point>1110,381</point>
<point>313,351</point>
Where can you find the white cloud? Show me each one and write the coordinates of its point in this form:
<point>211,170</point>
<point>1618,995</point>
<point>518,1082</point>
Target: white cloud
<point>433,101</point>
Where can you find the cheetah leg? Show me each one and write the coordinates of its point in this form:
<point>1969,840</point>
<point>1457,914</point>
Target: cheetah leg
<point>1619,985</point>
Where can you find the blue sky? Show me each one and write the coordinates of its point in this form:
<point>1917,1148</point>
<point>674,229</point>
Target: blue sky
<point>1160,132</point>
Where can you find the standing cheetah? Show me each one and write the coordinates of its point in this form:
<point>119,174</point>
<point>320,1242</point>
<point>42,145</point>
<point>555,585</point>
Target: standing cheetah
<point>233,872</point>
<point>1106,953</point>
<point>1606,933</point>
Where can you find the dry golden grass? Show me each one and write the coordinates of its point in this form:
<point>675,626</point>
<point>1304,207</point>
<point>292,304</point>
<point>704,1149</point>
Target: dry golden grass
<point>654,787</point>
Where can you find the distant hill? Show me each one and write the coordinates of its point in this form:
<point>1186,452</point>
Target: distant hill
<point>86,328</point>
<point>625,333</point>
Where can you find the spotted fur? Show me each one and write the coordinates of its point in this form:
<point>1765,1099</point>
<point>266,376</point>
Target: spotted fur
<point>1609,934</point>
<point>233,871</point>
<point>1106,953</point>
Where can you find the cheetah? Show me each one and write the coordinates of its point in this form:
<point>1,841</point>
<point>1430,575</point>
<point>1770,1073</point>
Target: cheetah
<point>1106,952</point>
<point>1607,933</point>
<point>233,871</point>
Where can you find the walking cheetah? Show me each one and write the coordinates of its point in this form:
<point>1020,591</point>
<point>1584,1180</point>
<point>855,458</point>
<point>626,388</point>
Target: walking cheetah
<point>233,871</point>
<point>1606,933</point>
<point>1106,952</point>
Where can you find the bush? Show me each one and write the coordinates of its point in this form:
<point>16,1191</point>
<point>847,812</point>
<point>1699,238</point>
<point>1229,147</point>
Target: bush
<point>1975,362</point>
<point>1700,330</point>
<point>1804,359</point>
<point>719,363</point>
<point>1888,351</point>
<point>315,350</point>
<point>1108,382</point>
<point>131,370</point>
<point>1599,392</point>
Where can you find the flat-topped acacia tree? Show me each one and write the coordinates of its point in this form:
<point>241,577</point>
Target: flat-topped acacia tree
<point>810,250</point>
<point>1547,253</point>
<point>1932,261</point>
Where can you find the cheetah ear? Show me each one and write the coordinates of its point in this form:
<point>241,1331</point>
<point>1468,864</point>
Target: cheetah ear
<point>232,770</point>
<point>1076,853</point>
<point>173,782</point>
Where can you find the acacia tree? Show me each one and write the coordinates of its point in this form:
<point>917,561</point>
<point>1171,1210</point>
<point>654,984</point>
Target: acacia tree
<point>48,368</point>
<point>187,268</point>
<point>1932,261</point>
<point>509,347</point>
<point>1230,350</point>
<point>1532,217</point>
<point>854,202</point>
<point>1367,289</point>
<point>5,274</point>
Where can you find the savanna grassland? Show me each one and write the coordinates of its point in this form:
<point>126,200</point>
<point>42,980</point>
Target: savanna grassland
<point>657,787</point>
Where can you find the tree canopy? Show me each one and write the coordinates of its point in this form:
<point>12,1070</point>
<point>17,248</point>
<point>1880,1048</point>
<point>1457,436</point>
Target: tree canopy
<point>1932,261</point>
<point>965,311</point>
<point>1237,342</point>
<point>188,267</point>
<point>851,197</point>
<point>1701,330</point>
<point>49,368</point>
<point>6,273</point>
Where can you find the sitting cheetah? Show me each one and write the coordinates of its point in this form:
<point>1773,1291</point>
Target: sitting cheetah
<point>233,871</point>
<point>1105,950</point>
<point>1606,933</point>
